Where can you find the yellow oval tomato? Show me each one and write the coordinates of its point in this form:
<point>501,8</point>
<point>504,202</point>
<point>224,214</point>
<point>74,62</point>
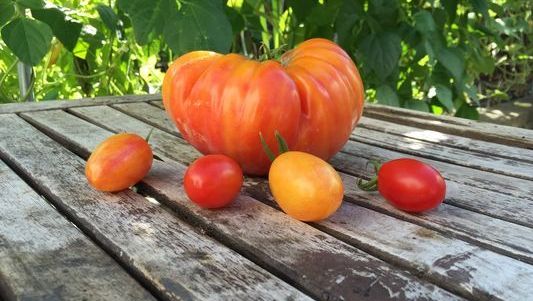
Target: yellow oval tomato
<point>305,186</point>
<point>119,162</point>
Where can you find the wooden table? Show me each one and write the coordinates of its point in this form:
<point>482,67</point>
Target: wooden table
<point>62,240</point>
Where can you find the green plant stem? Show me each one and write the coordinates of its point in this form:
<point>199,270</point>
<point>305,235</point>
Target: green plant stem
<point>371,185</point>
<point>9,69</point>
<point>101,73</point>
<point>30,90</point>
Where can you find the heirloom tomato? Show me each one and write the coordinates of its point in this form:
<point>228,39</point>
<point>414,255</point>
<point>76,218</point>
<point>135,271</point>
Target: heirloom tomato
<point>305,186</point>
<point>213,181</point>
<point>220,103</point>
<point>119,162</point>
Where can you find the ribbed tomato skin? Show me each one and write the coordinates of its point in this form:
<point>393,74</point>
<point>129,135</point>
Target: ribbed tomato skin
<point>220,103</point>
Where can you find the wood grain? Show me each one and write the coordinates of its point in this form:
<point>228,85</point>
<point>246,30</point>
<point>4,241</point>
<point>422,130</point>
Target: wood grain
<point>520,188</point>
<point>44,257</point>
<point>443,248</point>
<point>9,108</point>
<point>490,132</point>
<point>454,141</point>
<point>495,204</point>
<point>175,260</point>
<point>461,267</point>
<point>418,148</point>
<point>483,131</point>
<point>339,272</point>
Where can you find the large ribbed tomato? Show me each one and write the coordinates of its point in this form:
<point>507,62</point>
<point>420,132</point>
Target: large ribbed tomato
<point>220,103</point>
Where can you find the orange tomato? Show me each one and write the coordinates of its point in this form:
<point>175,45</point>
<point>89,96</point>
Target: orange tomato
<point>305,186</point>
<point>119,162</point>
<point>220,103</point>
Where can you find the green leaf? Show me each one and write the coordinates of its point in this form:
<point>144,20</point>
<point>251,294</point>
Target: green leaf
<point>445,96</point>
<point>301,9</point>
<point>200,25</point>
<point>440,16</point>
<point>149,16</point>
<point>28,39</point>
<point>451,8</point>
<point>424,22</point>
<point>324,14</point>
<point>483,64</point>
<point>350,13</point>
<point>33,4</point>
<point>235,18</point>
<point>467,111</point>
<point>108,16</point>
<point>452,61</point>
<point>382,52</point>
<point>418,105</point>
<point>66,30</point>
<point>386,11</point>
<point>387,96</point>
<point>7,11</point>
<point>480,6</point>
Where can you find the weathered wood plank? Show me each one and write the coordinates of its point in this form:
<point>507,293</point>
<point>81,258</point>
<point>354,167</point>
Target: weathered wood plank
<point>458,126</point>
<point>44,257</point>
<point>483,131</point>
<point>458,266</point>
<point>149,114</point>
<point>506,238</point>
<point>520,188</point>
<point>455,218</point>
<point>248,226</point>
<point>485,162</point>
<point>477,178</point>
<point>455,141</point>
<point>506,207</point>
<point>61,104</point>
<point>172,258</point>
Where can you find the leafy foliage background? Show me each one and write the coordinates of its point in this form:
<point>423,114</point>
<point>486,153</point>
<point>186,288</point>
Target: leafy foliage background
<point>435,56</point>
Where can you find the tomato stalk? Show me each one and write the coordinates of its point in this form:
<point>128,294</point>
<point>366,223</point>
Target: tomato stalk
<point>372,184</point>
<point>149,135</point>
<point>282,146</point>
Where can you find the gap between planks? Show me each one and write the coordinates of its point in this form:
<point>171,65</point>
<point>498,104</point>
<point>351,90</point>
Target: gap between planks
<point>450,140</point>
<point>187,265</point>
<point>460,195</point>
<point>212,219</point>
<point>466,173</point>
<point>10,108</point>
<point>155,139</point>
<point>43,256</point>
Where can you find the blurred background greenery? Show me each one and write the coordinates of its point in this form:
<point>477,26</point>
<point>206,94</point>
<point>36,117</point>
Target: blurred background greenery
<point>452,57</point>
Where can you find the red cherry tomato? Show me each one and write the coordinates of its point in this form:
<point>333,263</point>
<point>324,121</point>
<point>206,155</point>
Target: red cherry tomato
<point>411,185</point>
<point>213,181</point>
<point>407,184</point>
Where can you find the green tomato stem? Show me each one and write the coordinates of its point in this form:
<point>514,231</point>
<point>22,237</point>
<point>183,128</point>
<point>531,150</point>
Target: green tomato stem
<point>149,135</point>
<point>372,184</point>
<point>266,148</point>
<point>282,144</point>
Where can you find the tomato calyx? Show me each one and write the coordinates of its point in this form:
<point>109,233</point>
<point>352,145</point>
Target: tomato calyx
<point>372,184</point>
<point>147,138</point>
<point>282,146</point>
<point>265,53</point>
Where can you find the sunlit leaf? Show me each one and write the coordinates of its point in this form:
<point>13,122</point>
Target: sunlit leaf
<point>382,52</point>
<point>28,39</point>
